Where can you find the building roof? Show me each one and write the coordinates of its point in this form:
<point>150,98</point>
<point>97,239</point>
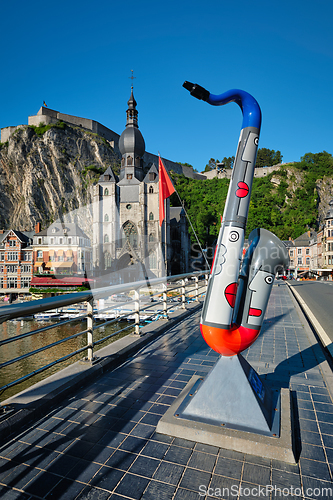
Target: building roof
<point>71,229</point>
<point>306,239</point>
<point>108,176</point>
<point>153,170</point>
<point>288,243</point>
<point>175,214</point>
<point>23,236</point>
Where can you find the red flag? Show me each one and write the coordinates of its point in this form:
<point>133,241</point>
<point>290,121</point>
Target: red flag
<point>165,187</point>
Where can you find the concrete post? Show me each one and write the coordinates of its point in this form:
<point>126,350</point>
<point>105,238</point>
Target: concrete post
<point>165,297</point>
<point>183,294</point>
<point>137,311</point>
<point>196,294</point>
<point>90,334</point>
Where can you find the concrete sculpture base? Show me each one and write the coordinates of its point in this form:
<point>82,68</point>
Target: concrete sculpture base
<point>231,408</point>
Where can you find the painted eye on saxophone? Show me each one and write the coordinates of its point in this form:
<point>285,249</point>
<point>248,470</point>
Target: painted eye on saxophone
<point>236,299</point>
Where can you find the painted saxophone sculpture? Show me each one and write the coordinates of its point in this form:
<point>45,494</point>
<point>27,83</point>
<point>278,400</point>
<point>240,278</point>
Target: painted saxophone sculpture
<point>236,300</point>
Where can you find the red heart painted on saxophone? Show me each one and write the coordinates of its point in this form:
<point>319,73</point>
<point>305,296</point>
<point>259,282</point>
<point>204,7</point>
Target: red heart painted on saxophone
<point>243,190</point>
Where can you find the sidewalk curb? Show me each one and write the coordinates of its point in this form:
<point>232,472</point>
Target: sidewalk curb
<point>323,363</point>
<point>37,400</point>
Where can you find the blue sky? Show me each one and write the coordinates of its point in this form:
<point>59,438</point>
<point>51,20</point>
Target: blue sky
<point>78,57</point>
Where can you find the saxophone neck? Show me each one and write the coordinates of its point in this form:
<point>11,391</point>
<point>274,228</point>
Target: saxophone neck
<point>249,106</point>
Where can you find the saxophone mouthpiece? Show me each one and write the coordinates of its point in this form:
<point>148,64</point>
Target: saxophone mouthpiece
<point>196,90</point>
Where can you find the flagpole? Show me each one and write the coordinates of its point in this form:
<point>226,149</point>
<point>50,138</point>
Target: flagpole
<point>165,240</point>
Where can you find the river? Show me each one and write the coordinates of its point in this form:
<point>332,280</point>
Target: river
<point>12,350</point>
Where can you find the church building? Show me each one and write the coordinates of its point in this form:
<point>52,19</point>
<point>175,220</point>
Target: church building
<point>127,237</point>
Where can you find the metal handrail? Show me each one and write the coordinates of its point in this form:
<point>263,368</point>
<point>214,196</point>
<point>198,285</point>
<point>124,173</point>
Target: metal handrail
<point>14,311</point>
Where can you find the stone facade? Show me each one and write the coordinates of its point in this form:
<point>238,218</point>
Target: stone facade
<point>62,249</point>
<point>16,261</point>
<point>128,241</point>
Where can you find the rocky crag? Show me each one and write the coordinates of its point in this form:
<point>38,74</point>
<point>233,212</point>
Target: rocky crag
<point>47,173</point>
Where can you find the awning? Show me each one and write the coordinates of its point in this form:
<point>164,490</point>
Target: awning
<point>69,253</point>
<point>51,252</point>
<point>62,264</point>
<point>60,252</point>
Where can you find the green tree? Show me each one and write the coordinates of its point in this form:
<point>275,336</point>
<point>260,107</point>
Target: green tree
<point>228,162</point>
<point>211,165</point>
<point>268,157</point>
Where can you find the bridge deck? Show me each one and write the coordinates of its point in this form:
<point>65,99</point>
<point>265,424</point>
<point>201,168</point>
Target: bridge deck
<point>102,444</point>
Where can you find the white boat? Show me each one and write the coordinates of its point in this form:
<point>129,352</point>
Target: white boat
<point>47,316</point>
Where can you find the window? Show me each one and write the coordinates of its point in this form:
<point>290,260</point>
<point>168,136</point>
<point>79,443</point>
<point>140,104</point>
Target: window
<point>27,256</point>
<point>329,233</point>
<point>129,162</point>
<point>106,218</point>
<point>151,237</point>
<point>11,269</point>
<point>328,223</point>
<point>26,269</point>
<point>40,254</point>
<point>107,260</point>
<point>2,255</point>
<point>307,251</point>
<point>299,261</point>
<point>308,261</point>
<point>291,263</point>
<point>131,233</point>
<point>60,241</point>
<point>39,241</point>
<point>291,253</point>
<point>151,216</point>
<point>25,282</point>
<point>129,176</point>
<point>151,190</point>
<point>152,176</point>
<point>12,256</point>
<point>69,240</point>
<point>106,238</point>
<point>12,282</point>
<point>106,192</point>
<point>12,243</point>
<point>299,251</point>
<point>152,261</point>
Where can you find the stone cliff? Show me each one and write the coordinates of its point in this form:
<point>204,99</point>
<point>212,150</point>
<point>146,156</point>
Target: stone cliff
<point>47,172</point>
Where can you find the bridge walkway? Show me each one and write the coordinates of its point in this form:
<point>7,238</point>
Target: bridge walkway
<point>101,442</point>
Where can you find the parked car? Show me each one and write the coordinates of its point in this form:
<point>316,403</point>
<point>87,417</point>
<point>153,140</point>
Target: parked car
<point>120,297</point>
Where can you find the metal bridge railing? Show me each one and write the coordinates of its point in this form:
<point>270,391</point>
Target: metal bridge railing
<point>163,292</point>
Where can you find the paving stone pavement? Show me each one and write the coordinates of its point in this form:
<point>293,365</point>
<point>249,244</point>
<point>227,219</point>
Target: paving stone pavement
<point>101,443</point>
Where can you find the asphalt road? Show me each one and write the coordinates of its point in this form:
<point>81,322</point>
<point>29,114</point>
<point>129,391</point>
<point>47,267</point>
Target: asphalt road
<point>318,295</point>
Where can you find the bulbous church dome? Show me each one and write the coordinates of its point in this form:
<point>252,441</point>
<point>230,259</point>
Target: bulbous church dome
<point>131,141</point>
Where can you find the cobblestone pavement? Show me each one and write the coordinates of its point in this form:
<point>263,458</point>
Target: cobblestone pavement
<point>101,443</point>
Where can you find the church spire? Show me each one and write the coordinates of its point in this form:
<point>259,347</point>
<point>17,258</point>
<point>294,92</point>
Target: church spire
<point>132,113</point>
